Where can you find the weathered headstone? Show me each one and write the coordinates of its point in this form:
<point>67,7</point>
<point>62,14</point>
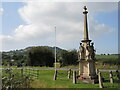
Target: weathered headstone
<point>74,77</point>
<point>100,80</point>
<point>111,77</point>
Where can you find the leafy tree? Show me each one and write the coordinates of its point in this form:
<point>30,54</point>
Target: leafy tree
<point>41,56</point>
<point>69,57</point>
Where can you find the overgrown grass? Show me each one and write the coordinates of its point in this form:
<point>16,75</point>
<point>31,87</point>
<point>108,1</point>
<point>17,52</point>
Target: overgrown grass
<point>12,78</point>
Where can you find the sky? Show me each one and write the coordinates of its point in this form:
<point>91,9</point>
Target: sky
<point>27,24</point>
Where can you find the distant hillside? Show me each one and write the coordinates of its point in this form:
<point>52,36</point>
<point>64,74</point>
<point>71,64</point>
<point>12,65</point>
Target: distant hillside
<point>25,51</point>
<point>21,56</point>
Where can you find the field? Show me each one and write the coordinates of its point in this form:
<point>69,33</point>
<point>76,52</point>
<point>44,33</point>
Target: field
<point>108,59</point>
<point>44,79</point>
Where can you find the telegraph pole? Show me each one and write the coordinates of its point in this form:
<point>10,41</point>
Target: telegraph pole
<point>55,48</point>
<point>55,74</point>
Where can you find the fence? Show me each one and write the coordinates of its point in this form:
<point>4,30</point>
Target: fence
<point>31,72</point>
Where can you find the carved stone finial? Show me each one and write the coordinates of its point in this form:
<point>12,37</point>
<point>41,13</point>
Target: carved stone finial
<point>85,8</point>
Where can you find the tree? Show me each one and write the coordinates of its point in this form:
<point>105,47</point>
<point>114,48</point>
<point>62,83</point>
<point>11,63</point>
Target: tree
<point>40,56</point>
<point>69,57</point>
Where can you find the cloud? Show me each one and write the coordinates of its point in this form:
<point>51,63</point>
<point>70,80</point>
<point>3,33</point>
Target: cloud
<point>69,0</point>
<point>42,17</point>
<point>1,11</point>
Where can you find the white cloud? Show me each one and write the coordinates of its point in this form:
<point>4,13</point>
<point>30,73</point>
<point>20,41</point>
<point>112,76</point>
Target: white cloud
<point>1,11</point>
<point>67,17</point>
<point>72,0</point>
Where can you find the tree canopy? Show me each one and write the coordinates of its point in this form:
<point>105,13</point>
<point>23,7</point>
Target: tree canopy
<point>41,56</point>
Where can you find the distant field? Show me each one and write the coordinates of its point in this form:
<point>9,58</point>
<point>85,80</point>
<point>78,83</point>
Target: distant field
<point>106,57</point>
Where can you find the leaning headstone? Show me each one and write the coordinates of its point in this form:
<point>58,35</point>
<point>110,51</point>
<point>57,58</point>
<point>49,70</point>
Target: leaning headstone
<point>74,77</point>
<point>111,77</point>
<point>100,80</point>
<point>69,73</point>
<point>118,75</point>
<point>55,75</point>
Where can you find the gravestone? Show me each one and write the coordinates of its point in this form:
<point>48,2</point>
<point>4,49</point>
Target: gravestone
<point>87,70</point>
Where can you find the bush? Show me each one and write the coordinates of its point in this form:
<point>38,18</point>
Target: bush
<point>11,79</point>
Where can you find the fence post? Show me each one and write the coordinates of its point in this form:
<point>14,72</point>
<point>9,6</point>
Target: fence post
<point>55,75</point>
<point>37,73</point>
<point>69,73</point>
<point>97,71</point>
<point>22,72</point>
<point>74,77</point>
<point>33,72</point>
<point>111,77</point>
<point>100,80</point>
<point>29,71</point>
<point>117,73</point>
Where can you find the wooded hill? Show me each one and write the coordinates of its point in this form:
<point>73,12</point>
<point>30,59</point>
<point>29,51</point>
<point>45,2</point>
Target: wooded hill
<point>44,56</point>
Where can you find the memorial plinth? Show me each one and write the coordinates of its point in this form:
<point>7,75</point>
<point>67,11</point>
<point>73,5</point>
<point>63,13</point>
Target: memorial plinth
<point>87,72</point>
